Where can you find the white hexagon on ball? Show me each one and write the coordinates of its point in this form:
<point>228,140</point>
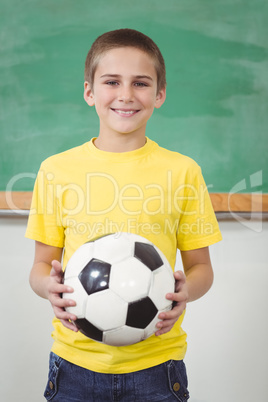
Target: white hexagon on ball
<point>106,310</point>
<point>123,336</point>
<point>130,279</point>
<point>113,248</point>
<point>162,284</point>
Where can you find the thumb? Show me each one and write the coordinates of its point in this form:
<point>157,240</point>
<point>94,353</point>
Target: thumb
<point>179,275</point>
<point>56,268</point>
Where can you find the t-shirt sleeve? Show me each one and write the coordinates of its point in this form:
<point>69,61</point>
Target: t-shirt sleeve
<point>198,226</point>
<point>44,223</point>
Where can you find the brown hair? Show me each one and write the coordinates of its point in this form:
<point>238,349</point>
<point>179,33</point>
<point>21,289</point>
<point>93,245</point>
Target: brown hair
<point>125,38</point>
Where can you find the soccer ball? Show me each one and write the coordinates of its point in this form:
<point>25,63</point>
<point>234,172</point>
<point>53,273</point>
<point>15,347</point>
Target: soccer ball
<point>120,283</point>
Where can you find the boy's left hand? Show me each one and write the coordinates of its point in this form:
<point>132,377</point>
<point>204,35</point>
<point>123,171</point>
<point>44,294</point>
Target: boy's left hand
<point>179,299</point>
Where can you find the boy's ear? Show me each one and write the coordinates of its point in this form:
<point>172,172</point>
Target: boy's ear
<point>88,94</point>
<point>160,98</point>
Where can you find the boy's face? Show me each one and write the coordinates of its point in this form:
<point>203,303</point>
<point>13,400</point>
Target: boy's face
<point>124,91</point>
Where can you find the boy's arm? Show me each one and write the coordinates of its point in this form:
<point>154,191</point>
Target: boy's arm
<point>190,285</point>
<point>46,279</point>
<point>198,271</point>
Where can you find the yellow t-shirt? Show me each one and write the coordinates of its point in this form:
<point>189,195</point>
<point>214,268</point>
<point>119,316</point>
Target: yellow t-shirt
<point>84,193</point>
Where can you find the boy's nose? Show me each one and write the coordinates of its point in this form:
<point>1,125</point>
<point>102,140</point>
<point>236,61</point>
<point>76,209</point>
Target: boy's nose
<point>126,95</point>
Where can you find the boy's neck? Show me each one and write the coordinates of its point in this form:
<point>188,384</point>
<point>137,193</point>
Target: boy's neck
<point>120,143</point>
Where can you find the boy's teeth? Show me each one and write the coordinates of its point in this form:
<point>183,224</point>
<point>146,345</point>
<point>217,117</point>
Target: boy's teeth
<point>125,111</point>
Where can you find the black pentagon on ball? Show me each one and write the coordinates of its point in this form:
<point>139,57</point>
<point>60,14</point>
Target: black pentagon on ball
<point>148,255</point>
<point>95,276</point>
<point>88,329</point>
<point>141,313</point>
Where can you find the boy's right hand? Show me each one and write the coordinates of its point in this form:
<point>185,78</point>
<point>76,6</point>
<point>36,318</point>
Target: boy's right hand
<point>55,289</point>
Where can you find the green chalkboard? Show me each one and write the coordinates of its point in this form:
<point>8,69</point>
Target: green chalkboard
<point>216,111</point>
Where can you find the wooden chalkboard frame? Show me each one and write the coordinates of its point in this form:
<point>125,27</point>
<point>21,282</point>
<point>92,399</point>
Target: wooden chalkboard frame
<point>222,202</point>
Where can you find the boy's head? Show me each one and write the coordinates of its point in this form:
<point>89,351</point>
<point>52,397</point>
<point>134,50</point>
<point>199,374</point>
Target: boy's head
<point>125,38</point>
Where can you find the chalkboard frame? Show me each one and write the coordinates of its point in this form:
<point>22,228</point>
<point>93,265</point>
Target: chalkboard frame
<point>222,202</point>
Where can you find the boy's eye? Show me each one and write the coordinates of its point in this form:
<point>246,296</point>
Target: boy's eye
<point>112,83</point>
<point>141,84</point>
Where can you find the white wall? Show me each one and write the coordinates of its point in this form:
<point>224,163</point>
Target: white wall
<point>227,329</point>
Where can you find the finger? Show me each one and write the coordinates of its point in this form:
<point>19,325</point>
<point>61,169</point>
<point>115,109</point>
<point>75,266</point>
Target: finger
<point>56,269</point>
<point>178,297</point>
<point>57,301</point>
<point>179,275</point>
<point>164,327</point>
<point>180,280</point>
<point>69,325</point>
<point>56,265</point>
<point>56,288</point>
<point>166,323</point>
<point>168,319</point>
<point>173,314</point>
<point>163,331</point>
<point>62,314</point>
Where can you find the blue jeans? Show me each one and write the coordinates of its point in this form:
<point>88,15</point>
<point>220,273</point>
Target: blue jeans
<point>69,383</point>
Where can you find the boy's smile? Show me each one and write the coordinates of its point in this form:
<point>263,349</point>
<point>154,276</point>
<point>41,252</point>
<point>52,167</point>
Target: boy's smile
<point>124,93</point>
<point>125,112</point>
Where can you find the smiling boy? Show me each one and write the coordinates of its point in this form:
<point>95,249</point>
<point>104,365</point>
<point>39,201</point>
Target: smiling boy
<point>125,95</point>
<point>123,178</point>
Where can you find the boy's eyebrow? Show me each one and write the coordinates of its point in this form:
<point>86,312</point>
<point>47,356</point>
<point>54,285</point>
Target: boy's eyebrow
<point>144,76</point>
<point>118,75</point>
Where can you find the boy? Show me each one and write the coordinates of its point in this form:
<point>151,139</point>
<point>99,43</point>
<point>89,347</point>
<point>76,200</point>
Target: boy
<point>121,181</point>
